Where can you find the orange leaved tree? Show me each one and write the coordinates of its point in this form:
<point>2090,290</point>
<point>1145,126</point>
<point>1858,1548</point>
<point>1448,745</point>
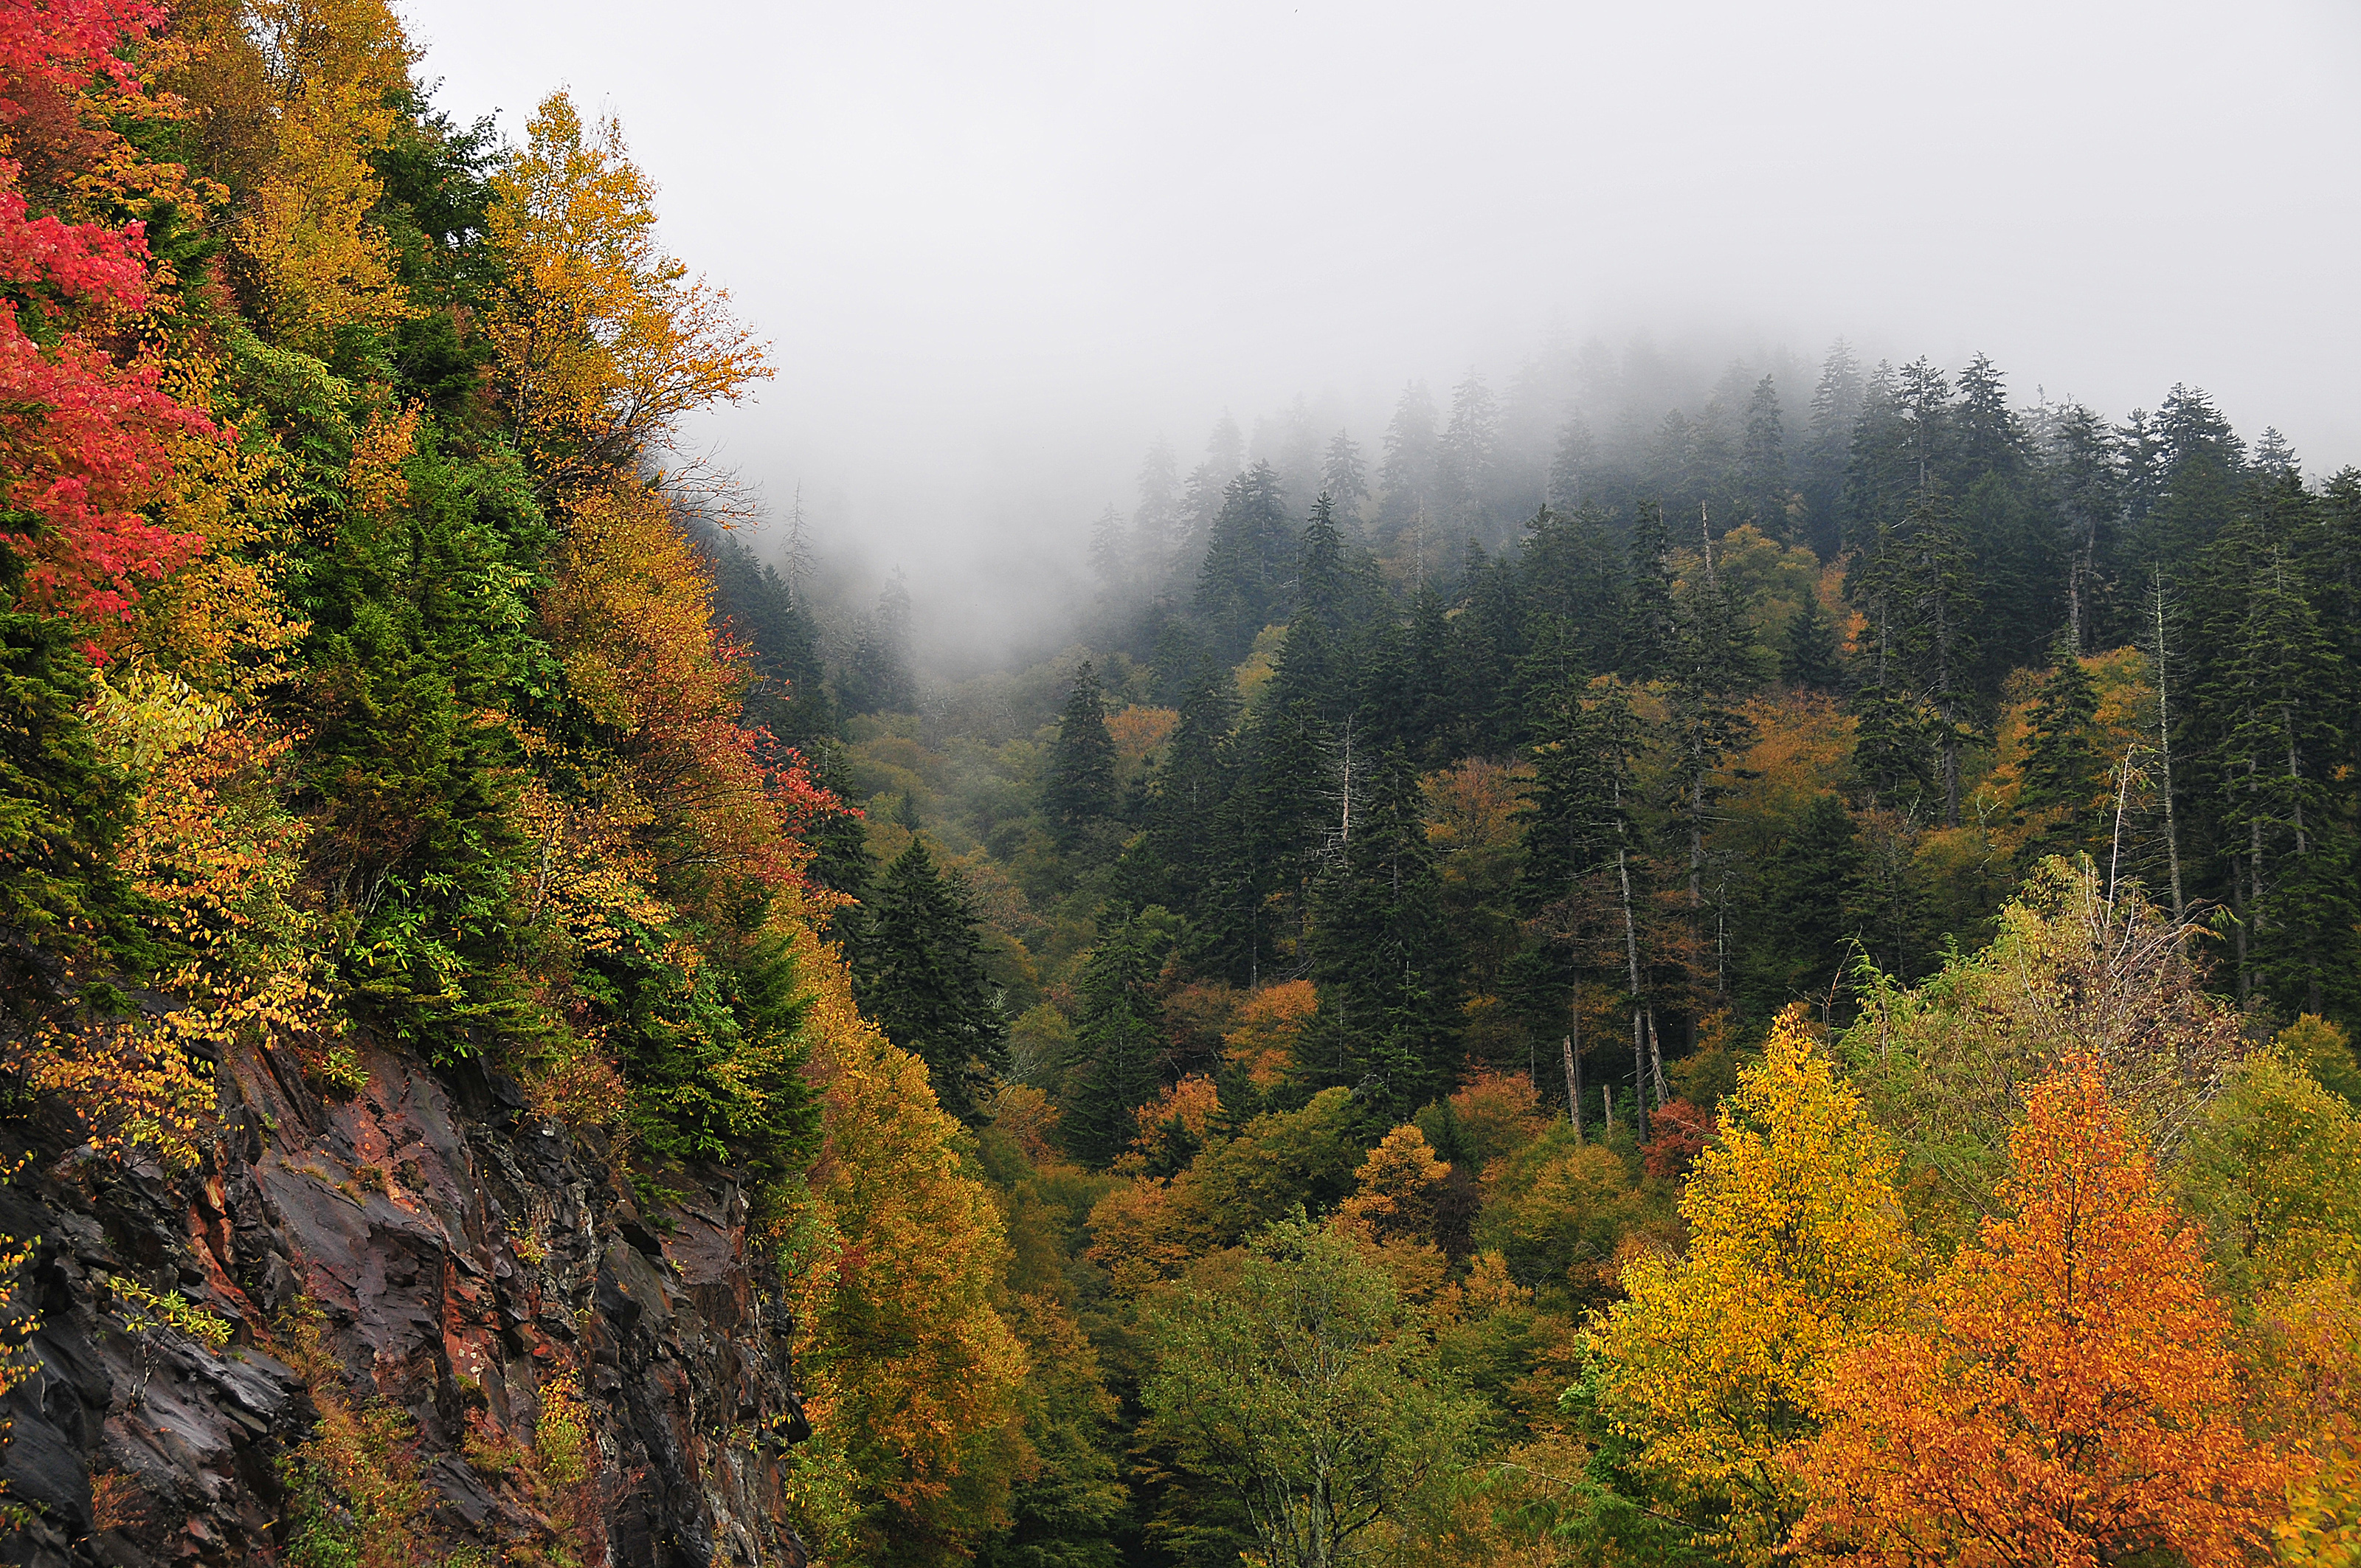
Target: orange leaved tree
<point>2073,1400</point>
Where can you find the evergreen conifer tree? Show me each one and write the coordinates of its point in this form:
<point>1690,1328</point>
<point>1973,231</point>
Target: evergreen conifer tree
<point>1382,953</point>
<point>1345,476</point>
<point>1763,463</point>
<point>1079,787</point>
<point>2066,781</point>
<point>1809,655</point>
<point>1648,644</point>
<point>921,977</point>
<point>1803,913</point>
<point>1117,1062</point>
<point>62,806</point>
<point>877,677</point>
<point>1249,563</point>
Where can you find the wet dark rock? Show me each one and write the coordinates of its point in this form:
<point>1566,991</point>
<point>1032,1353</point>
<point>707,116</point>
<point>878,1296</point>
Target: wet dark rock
<point>456,1254</point>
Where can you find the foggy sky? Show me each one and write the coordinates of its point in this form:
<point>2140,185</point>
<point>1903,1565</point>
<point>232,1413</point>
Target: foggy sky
<point>998,248</point>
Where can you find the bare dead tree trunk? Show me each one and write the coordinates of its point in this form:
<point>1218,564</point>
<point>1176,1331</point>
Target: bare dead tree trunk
<point>2123,792</point>
<point>1572,1055</point>
<point>2164,751</point>
<point>1656,1060</point>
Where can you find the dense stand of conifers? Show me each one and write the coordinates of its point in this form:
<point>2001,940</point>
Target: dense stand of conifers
<point>1616,991</point>
<point>1748,724</point>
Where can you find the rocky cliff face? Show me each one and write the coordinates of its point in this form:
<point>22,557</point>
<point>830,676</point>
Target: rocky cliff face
<point>453,1338</point>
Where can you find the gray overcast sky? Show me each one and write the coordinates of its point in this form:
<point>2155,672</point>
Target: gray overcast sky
<point>998,247</point>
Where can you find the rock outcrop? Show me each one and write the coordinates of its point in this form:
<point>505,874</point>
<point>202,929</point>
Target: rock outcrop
<point>452,1337</point>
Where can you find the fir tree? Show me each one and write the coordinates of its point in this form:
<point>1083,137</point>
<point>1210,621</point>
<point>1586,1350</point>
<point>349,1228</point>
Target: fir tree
<point>2066,781</point>
<point>1406,472</point>
<point>921,977</point>
<point>1652,625</point>
<point>1344,476</point>
<point>62,806</point>
<point>1466,457</point>
<point>1573,462</point>
<point>1381,953</point>
<point>1117,1063</point>
<point>1763,463</point>
<point>1250,560</point>
<point>1836,409</point>
<point>1803,912</point>
<point>1079,787</point>
<point>2086,475</point>
<point>1808,656</point>
<point>877,677</point>
<point>1280,809</point>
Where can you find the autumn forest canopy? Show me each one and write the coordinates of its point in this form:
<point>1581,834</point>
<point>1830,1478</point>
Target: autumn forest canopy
<point>1631,967</point>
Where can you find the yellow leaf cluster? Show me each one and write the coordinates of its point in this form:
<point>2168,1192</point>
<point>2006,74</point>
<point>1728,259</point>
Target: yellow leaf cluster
<point>893,1257</point>
<point>603,342</point>
<point>1713,1362</point>
<point>319,264</point>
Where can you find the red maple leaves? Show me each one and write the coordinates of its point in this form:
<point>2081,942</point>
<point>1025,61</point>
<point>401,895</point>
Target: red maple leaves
<point>83,428</point>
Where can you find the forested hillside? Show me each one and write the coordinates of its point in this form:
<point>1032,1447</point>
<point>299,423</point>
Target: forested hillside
<point>1501,884</point>
<point>1648,970</point>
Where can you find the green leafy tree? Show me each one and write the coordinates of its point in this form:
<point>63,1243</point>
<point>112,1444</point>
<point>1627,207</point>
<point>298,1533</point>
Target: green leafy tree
<point>1304,1394</point>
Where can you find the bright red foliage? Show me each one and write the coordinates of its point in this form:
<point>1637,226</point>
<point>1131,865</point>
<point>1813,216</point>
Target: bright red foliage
<point>82,434</point>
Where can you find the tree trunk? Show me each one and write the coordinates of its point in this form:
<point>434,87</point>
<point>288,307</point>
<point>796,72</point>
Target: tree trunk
<point>1655,1060</point>
<point>2164,750</point>
<point>1573,1079</point>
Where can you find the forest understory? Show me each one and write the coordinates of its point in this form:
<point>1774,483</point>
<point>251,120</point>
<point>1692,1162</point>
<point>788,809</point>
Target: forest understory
<point>1652,970</point>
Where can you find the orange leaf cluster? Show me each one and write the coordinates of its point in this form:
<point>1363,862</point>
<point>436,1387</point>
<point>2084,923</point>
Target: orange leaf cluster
<point>2072,1401</point>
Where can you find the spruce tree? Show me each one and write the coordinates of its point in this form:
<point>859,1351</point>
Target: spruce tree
<point>1381,952</point>
<point>63,805</point>
<point>1080,788</point>
<point>1117,1063</point>
<point>2287,832</point>
<point>2085,472</point>
<point>1344,476</point>
<point>877,677</point>
<point>1802,913</point>
<point>1651,630</point>
<point>921,978</point>
<point>1763,463</point>
<point>1285,803</point>
<point>2066,781</point>
<point>1242,585</point>
<point>1808,656</point>
<point>1173,862</point>
<point>1836,409</point>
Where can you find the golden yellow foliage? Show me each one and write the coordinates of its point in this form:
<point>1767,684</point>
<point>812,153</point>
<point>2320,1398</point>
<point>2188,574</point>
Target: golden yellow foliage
<point>219,621</point>
<point>1396,1188</point>
<point>1390,1212</point>
<point>893,1259</point>
<point>1713,1365</point>
<point>603,342</point>
<point>319,263</point>
<point>1138,734</point>
<point>2304,1355</point>
<point>1269,1024</point>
